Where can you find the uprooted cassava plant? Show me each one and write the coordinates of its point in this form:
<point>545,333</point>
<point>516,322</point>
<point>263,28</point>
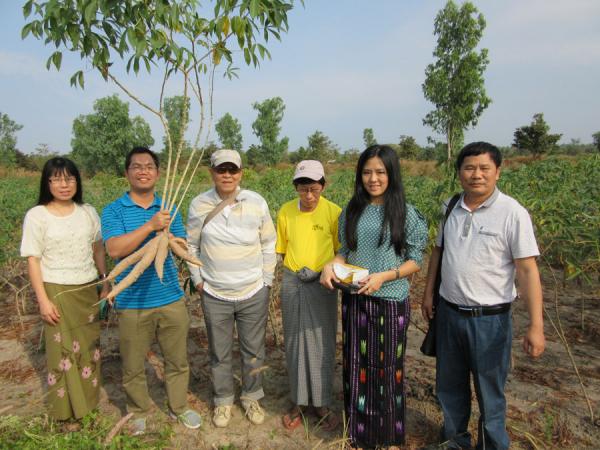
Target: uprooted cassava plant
<point>172,34</point>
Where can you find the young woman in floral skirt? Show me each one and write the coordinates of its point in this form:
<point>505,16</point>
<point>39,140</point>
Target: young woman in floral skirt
<point>64,251</point>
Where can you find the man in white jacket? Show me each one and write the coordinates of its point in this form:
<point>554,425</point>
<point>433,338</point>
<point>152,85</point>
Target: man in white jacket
<point>231,231</point>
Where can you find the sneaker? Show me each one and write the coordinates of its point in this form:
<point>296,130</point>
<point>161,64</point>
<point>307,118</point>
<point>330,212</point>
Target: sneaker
<point>138,426</point>
<point>189,419</point>
<point>221,416</point>
<point>254,412</point>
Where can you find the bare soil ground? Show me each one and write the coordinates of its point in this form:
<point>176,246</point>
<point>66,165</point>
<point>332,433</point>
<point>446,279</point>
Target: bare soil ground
<point>546,406</point>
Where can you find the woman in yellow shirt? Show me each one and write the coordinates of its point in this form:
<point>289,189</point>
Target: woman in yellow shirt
<point>307,237</point>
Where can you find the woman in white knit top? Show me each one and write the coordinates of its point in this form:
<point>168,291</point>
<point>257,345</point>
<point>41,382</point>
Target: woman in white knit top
<point>63,247</point>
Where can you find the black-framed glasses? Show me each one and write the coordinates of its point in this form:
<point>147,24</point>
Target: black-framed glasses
<point>224,170</point>
<point>306,191</point>
<point>59,180</point>
<point>142,167</point>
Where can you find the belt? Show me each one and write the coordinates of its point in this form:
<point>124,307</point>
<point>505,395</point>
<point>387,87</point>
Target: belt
<point>477,311</point>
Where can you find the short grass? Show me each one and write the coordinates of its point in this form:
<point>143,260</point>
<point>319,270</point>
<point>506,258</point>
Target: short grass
<point>41,432</point>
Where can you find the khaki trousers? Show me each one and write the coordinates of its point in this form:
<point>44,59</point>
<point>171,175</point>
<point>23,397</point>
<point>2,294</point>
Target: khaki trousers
<point>138,328</point>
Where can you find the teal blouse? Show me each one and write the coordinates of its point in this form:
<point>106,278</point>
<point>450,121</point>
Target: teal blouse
<point>380,259</point>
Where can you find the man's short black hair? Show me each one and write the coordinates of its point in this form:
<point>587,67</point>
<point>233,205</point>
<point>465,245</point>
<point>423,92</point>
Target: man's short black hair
<point>137,151</point>
<point>479,148</point>
<point>304,180</point>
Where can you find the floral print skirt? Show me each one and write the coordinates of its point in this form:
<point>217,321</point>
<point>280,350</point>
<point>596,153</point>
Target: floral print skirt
<point>374,343</point>
<point>73,352</point>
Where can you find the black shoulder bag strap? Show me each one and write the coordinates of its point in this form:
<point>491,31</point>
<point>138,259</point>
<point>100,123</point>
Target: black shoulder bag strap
<point>428,345</point>
<point>438,276</point>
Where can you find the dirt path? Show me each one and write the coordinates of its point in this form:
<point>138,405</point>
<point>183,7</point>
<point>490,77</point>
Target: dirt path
<point>546,406</point>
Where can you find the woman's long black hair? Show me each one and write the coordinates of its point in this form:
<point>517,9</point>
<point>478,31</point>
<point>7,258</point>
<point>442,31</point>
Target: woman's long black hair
<point>59,166</point>
<point>394,216</point>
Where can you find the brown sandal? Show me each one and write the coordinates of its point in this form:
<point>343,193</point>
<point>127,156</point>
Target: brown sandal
<point>293,419</point>
<point>327,418</point>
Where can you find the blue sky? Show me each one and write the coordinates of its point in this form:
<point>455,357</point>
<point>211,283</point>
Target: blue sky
<point>346,65</point>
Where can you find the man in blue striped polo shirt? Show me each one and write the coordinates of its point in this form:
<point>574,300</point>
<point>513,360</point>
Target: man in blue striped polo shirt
<point>148,307</point>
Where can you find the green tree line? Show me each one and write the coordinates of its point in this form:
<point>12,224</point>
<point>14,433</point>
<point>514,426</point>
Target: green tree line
<point>102,138</point>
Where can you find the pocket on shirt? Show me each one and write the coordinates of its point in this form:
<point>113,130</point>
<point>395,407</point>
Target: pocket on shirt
<point>489,247</point>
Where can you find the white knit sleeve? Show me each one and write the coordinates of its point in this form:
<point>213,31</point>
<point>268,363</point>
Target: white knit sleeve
<point>32,243</point>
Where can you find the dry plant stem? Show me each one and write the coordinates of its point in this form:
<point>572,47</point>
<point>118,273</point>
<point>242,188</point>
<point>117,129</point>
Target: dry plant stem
<point>184,123</point>
<point>167,134</point>
<point>162,88</point>
<point>198,93</point>
<point>339,443</point>
<point>17,292</point>
<point>40,340</point>
<point>39,399</point>
<point>115,430</point>
<point>19,313</point>
<point>561,334</point>
<point>272,320</point>
<point>532,440</point>
<point>582,314</point>
<point>190,178</point>
<point>417,326</point>
<point>198,135</point>
<point>210,102</point>
<point>174,195</point>
<point>193,153</point>
<point>169,140</point>
<point>22,292</point>
<point>172,199</point>
<point>158,113</point>
<point>195,149</point>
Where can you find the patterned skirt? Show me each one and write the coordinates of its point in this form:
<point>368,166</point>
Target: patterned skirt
<point>374,342</point>
<point>309,313</point>
<point>73,352</point>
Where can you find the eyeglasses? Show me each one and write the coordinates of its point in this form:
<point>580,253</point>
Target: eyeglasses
<point>223,170</point>
<point>59,180</point>
<point>142,168</point>
<point>305,191</point>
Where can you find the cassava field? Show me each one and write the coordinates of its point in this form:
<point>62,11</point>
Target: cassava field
<point>554,402</point>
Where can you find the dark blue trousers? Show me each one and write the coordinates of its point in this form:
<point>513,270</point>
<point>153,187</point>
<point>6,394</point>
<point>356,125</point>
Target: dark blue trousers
<point>477,346</point>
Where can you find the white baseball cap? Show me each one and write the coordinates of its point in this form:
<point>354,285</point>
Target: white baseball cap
<point>310,169</point>
<point>226,156</point>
